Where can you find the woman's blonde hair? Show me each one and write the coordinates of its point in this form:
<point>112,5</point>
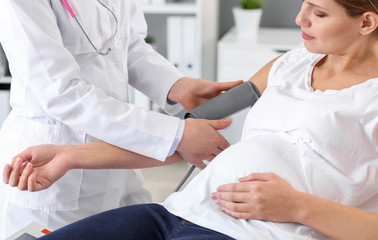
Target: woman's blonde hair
<point>355,8</point>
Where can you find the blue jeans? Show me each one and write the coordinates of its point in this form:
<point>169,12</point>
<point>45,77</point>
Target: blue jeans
<point>147,221</point>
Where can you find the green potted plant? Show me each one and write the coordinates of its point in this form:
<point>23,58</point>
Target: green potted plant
<point>251,4</point>
<point>151,40</point>
<point>247,18</point>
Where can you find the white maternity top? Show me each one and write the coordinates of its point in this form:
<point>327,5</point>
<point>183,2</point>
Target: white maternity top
<point>323,143</point>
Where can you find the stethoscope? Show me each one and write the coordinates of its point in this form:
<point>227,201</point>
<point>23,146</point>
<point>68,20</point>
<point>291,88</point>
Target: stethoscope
<point>104,51</point>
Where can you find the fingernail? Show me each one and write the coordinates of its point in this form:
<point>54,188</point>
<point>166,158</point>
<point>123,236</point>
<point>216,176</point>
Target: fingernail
<point>218,202</point>
<point>213,196</point>
<point>29,165</point>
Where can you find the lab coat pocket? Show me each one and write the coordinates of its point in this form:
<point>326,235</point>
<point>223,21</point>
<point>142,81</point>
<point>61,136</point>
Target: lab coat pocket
<point>62,195</point>
<point>97,22</point>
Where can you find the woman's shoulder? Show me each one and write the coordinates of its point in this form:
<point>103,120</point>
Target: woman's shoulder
<point>295,60</point>
<point>292,66</point>
<point>298,55</point>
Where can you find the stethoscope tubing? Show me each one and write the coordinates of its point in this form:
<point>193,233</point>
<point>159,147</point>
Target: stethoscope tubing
<point>68,6</point>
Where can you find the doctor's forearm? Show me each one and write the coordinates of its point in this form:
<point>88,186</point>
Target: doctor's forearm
<point>101,155</point>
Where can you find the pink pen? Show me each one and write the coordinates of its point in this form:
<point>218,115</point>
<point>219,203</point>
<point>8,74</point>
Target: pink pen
<point>69,7</point>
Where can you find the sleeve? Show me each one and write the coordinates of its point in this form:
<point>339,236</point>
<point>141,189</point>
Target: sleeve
<point>30,34</point>
<point>149,72</point>
<point>288,65</point>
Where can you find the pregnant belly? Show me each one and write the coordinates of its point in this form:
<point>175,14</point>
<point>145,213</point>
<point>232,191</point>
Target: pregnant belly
<point>265,153</point>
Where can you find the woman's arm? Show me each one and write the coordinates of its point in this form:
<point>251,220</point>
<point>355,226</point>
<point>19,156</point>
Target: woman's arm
<point>260,79</point>
<point>38,167</point>
<point>267,197</point>
<point>101,155</point>
<point>336,220</point>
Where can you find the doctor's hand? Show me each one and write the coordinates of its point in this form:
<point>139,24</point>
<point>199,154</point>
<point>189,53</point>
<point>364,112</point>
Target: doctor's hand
<point>191,93</point>
<point>261,196</point>
<point>201,141</point>
<point>36,168</point>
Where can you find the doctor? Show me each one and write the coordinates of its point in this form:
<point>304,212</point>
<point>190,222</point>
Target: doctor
<point>70,86</point>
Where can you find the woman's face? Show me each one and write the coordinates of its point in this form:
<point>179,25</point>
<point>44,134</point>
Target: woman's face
<point>326,27</point>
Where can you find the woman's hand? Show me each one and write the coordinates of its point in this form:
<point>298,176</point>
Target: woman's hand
<point>261,196</point>
<point>191,93</point>
<point>36,168</point>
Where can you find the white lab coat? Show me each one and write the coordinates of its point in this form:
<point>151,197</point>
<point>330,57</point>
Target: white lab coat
<point>63,92</point>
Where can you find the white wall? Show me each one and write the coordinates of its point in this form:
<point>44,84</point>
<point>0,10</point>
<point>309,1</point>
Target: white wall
<point>277,13</point>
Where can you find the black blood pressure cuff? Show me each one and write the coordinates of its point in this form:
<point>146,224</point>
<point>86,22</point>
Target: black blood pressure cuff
<point>234,100</point>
